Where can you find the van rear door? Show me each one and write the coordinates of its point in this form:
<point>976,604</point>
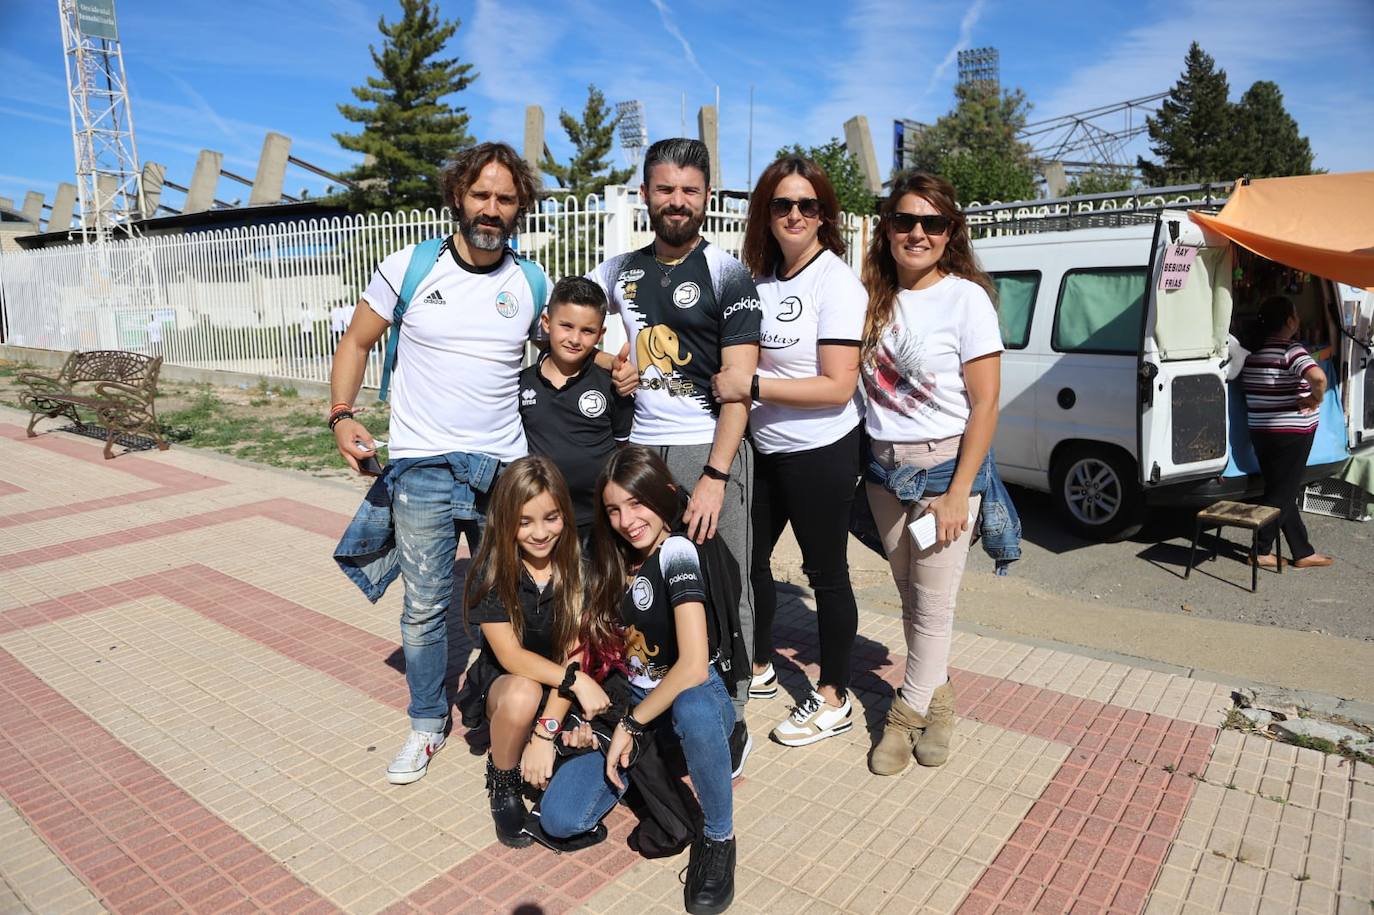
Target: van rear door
<point>1357,315</point>
<point>1181,382</point>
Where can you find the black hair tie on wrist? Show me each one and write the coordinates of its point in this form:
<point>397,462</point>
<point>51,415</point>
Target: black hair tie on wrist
<point>569,677</point>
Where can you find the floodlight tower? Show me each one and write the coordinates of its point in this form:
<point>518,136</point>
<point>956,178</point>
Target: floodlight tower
<point>980,67</point>
<point>107,173</point>
<point>634,135</point>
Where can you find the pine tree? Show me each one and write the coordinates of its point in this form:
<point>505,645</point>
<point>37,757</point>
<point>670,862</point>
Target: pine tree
<point>844,173</point>
<point>975,146</point>
<point>1267,142</point>
<point>1193,132</point>
<point>408,129</point>
<point>588,171</point>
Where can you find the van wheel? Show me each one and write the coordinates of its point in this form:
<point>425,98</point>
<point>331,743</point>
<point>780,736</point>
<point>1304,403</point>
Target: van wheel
<point>1096,492</point>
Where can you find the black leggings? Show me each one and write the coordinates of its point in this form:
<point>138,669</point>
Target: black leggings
<point>1282,459</point>
<point>814,490</point>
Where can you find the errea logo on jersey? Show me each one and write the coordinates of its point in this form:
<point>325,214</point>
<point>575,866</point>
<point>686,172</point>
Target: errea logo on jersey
<point>527,397</point>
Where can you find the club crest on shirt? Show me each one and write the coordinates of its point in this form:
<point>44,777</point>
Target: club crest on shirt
<point>591,404</point>
<point>686,295</point>
<point>507,304</point>
<point>642,593</point>
<point>790,308</point>
<point>631,276</point>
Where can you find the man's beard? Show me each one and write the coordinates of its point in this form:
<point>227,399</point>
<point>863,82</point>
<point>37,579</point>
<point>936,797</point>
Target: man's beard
<point>676,236</point>
<point>471,229</point>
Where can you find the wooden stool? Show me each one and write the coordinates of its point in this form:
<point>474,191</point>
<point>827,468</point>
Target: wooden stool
<point>1237,514</point>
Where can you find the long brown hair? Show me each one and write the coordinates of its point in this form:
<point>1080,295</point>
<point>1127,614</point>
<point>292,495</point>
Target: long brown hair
<point>760,251</point>
<point>880,269</point>
<point>460,173</point>
<point>496,567</point>
<point>641,473</point>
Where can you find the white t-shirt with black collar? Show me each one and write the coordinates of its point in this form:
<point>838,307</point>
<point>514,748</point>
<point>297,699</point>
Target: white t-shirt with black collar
<point>458,360</point>
<point>822,303</point>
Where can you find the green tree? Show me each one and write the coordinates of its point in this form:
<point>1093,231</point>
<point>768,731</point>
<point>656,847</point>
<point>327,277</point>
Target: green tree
<point>1103,181</point>
<point>844,173</point>
<point>589,169</point>
<point>975,145</point>
<point>1266,140</point>
<point>1193,133</point>
<point>408,129</point>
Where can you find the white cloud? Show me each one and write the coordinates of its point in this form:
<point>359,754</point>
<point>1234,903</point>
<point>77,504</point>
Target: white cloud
<point>971,17</point>
<point>670,26</point>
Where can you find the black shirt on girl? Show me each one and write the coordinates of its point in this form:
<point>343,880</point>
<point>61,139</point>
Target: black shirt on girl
<point>669,578</point>
<point>536,611</point>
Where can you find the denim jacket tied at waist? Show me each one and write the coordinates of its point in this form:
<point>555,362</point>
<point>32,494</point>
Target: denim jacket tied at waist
<point>998,523</point>
<point>367,552</point>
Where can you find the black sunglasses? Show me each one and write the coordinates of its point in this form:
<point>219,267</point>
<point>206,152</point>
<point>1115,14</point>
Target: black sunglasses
<point>930,225</point>
<point>780,206</point>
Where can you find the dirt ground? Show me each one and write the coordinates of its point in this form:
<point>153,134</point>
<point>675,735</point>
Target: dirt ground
<point>270,424</point>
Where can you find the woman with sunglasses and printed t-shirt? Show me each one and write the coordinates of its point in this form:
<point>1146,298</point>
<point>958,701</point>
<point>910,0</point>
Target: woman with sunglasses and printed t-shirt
<point>805,425</point>
<point>931,370</point>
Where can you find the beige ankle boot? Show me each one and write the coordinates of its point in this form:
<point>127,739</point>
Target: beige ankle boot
<point>893,753</point>
<point>932,747</point>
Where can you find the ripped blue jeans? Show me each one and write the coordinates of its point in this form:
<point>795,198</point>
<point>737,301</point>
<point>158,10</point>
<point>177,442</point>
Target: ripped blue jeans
<point>422,508</point>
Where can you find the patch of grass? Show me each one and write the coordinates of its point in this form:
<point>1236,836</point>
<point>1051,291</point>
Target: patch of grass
<point>1277,799</point>
<point>1319,744</point>
<point>1235,721</point>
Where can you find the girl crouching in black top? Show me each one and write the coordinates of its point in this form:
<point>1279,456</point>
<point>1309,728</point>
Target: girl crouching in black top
<point>526,595</point>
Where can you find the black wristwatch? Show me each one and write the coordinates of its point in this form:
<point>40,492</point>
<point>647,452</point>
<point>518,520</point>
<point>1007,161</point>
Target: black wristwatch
<point>708,471</point>
<point>754,389</point>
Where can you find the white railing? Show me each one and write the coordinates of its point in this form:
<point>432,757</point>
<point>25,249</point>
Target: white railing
<point>269,300</point>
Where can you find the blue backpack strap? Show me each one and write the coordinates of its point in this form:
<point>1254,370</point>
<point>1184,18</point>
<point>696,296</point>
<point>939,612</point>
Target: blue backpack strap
<point>421,262</point>
<point>539,285</point>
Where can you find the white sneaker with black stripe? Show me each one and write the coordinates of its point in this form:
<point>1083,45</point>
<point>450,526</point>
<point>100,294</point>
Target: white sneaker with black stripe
<point>764,685</point>
<point>814,720</point>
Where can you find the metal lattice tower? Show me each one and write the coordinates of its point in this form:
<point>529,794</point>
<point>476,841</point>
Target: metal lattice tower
<point>634,135</point>
<point>981,67</point>
<point>107,171</point>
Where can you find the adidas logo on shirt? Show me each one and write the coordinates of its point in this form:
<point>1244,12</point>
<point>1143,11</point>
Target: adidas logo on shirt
<point>434,298</point>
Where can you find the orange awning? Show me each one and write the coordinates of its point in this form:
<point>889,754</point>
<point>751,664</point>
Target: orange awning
<point>1322,224</point>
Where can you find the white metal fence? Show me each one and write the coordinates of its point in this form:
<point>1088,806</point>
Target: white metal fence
<point>273,300</point>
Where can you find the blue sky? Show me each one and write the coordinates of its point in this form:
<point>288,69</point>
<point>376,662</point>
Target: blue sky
<point>220,74</point>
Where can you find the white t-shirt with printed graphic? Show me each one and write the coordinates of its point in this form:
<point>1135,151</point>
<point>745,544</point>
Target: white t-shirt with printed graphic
<point>914,383</point>
<point>458,360</point>
<point>823,303</point>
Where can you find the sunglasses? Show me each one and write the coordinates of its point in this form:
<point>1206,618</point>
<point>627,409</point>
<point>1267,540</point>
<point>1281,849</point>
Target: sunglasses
<point>779,207</point>
<point>930,225</point>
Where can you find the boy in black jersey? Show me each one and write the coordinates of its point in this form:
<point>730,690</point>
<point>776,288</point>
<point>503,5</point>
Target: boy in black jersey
<point>568,404</point>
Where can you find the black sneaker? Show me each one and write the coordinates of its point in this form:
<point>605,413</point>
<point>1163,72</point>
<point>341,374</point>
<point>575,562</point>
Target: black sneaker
<point>710,877</point>
<point>740,745</point>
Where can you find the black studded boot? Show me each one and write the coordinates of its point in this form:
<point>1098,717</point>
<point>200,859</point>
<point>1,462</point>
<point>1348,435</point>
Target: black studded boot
<point>507,806</point>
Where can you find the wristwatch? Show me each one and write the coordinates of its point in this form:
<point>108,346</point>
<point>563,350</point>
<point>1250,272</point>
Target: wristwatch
<point>549,726</point>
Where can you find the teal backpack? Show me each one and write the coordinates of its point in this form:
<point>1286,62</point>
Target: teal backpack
<point>422,260</point>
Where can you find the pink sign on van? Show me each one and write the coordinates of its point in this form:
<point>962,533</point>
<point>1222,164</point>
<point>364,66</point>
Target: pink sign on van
<point>1178,260</point>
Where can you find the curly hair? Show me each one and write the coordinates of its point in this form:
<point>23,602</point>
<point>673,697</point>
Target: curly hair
<point>880,269</point>
<point>760,252</point>
<point>459,173</point>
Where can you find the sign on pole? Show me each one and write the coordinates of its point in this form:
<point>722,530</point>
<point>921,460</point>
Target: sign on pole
<point>96,19</point>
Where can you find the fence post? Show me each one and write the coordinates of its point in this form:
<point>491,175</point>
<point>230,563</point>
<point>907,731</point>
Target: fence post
<point>619,219</point>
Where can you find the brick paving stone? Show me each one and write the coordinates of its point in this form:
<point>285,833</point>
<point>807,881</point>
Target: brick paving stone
<point>242,699</point>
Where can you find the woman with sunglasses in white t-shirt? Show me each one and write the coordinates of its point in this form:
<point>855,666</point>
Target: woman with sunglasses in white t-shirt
<point>805,425</point>
<point>931,373</point>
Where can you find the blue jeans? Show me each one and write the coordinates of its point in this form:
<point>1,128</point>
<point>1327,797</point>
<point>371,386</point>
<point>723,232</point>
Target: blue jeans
<point>427,541</point>
<point>579,794</point>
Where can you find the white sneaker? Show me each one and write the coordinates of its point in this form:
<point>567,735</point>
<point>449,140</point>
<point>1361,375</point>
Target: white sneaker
<point>764,685</point>
<point>814,720</point>
<point>411,763</point>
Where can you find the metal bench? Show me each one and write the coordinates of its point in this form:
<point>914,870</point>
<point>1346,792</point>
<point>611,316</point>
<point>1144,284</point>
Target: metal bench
<point>1237,514</point>
<point>117,386</point>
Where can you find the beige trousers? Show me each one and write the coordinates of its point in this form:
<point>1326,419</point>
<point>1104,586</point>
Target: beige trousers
<point>928,580</point>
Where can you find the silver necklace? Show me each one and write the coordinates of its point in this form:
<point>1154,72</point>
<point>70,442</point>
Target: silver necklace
<point>666,280</point>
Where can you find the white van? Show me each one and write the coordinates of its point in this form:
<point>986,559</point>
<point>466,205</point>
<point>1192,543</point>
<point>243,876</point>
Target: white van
<point>1114,394</point>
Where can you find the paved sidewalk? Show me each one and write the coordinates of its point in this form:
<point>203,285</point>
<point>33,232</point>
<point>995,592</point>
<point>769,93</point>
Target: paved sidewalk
<point>196,710</point>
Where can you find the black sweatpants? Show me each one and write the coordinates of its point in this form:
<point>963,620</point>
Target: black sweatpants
<point>1282,459</point>
<point>814,490</point>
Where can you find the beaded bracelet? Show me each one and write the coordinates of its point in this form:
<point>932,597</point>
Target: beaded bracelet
<point>336,418</point>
